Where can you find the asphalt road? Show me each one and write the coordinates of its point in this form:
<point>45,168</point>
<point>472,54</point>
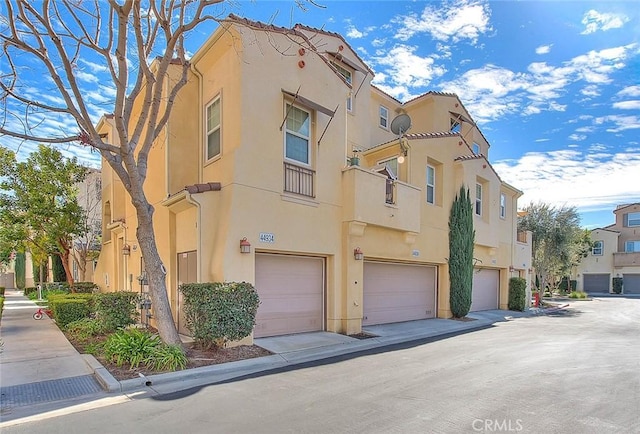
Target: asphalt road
<point>577,371</point>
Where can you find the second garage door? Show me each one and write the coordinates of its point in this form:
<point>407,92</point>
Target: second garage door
<point>631,283</point>
<point>291,290</point>
<point>398,292</point>
<point>596,283</point>
<point>484,293</point>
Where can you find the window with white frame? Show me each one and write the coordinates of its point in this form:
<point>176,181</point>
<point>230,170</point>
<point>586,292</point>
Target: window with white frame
<point>598,248</point>
<point>213,129</point>
<point>503,205</point>
<point>632,246</point>
<point>392,163</point>
<point>632,219</point>
<point>431,184</point>
<point>476,149</point>
<point>297,136</point>
<point>348,78</point>
<point>478,208</point>
<point>384,117</point>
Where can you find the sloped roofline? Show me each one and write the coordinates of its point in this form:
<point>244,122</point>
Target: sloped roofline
<point>621,207</point>
<point>605,229</point>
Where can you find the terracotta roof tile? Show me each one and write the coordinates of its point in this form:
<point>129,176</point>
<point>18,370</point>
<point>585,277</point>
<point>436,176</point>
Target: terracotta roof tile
<point>201,188</point>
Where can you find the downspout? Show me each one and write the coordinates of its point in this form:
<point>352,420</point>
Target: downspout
<point>189,197</point>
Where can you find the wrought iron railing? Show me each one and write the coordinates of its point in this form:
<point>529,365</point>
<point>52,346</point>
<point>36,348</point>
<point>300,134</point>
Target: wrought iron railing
<point>390,194</point>
<point>299,180</point>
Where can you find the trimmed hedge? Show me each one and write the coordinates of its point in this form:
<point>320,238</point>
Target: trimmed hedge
<point>68,310</point>
<point>219,312</point>
<point>617,285</point>
<point>564,285</point>
<point>517,294</point>
<point>116,310</point>
<point>2,291</point>
<point>84,287</point>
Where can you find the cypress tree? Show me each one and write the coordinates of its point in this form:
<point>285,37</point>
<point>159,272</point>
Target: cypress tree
<point>59,274</point>
<point>461,241</point>
<point>20,269</point>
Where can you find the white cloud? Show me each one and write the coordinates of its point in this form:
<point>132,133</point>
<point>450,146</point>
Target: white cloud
<point>542,140</point>
<point>378,42</point>
<point>630,91</point>
<point>627,105</point>
<point>405,68</point>
<point>567,177</point>
<point>543,49</point>
<point>594,21</point>
<point>354,33</point>
<point>620,123</point>
<point>577,137</point>
<point>456,21</point>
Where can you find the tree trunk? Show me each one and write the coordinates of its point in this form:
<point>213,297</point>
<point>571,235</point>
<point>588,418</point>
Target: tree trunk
<point>156,273</point>
<point>64,255</point>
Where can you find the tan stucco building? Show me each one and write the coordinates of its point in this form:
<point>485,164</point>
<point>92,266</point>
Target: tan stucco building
<point>615,253</point>
<point>280,141</point>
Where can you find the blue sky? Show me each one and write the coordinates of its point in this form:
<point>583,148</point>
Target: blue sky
<point>553,85</point>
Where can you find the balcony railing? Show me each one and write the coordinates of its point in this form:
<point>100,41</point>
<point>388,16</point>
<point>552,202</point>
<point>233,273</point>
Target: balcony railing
<point>626,259</point>
<point>522,237</point>
<point>389,192</point>
<point>299,180</point>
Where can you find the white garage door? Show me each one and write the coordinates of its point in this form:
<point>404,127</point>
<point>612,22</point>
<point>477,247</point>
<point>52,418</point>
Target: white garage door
<point>596,283</point>
<point>291,290</point>
<point>484,293</point>
<point>398,292</point>
<point>631,283</point>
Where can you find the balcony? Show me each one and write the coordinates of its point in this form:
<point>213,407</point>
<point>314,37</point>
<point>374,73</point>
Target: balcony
<point>374,199</point>
<point>623,259</point>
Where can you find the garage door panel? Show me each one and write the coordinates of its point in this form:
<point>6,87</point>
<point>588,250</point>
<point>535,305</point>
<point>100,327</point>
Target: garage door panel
<point>485,290</point>
<point>291,291</point>
<point>398,292</point>
<point>596,283</point>
<point>631,283</point>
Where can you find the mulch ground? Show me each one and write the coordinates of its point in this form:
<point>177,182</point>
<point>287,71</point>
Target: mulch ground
<point>197,357</point>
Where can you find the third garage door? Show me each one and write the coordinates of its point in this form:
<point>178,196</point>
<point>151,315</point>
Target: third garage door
<point>291,290</point>
<point>398,292</point>
<point>484,293</point>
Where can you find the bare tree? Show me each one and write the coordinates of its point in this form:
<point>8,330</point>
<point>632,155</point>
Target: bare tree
<point>138,42</point>
<point>86,246</point>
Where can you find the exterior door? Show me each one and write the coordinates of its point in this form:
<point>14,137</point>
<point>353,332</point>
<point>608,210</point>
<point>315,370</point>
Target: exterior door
<point>596,283</point>
<point>187,273</point>
<point>631,283</point>
<point>291,291</point>
<point>398,292</point>
<point>485,289</point>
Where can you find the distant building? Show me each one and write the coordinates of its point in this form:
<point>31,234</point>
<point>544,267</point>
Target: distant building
<point>615,253</point>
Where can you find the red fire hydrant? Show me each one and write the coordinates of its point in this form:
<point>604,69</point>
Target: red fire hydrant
<point>536,299</point>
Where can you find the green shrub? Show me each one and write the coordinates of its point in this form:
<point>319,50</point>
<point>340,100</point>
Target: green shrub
<point>57,286</point>
<point>28,291</point>
<point>578,294</point>
<point>67,310</point>
<point>130,347</point>
<point>20,268</point>
<point>84,287</point>
<point>2,291</point>
<point>85,328</point>
<point>1,305</point>
<point>517,294</point>
<point>617,285</point>
<point>167,358</point>
<point>216,313</point>
<point>36,271</point>
<point>116,309</point>
<point>59,275</point>
<point>461,242</point>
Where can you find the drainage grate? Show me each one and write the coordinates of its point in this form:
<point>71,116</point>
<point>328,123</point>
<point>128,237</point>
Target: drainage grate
<point>46,391</point>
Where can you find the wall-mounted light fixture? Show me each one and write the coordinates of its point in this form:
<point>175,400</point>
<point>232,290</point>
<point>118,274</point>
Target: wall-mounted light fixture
<point>245,246</point>
<point>126,250</point>
<point>357,254</point>
<point>511,269</point>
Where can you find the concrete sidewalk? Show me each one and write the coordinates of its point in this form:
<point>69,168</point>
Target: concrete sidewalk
<point>39,366</point>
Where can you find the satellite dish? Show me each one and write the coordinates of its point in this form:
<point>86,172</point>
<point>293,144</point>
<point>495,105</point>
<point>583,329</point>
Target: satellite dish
<point>401,124</point>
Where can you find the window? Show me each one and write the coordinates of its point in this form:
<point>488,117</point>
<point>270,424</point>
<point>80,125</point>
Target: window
<point>632,219</point>
<point>213,129</point>
<point>476,148</point>
<point>384,117</point>
<point>632,246</point>
<point>503,205</point>
<point>431,184</point>
<point>297,135</point>
<point>478,199</point>
<point>598,247</point>
<point>392,163</point>
<point>455,125</point>
<point>348,78</point>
